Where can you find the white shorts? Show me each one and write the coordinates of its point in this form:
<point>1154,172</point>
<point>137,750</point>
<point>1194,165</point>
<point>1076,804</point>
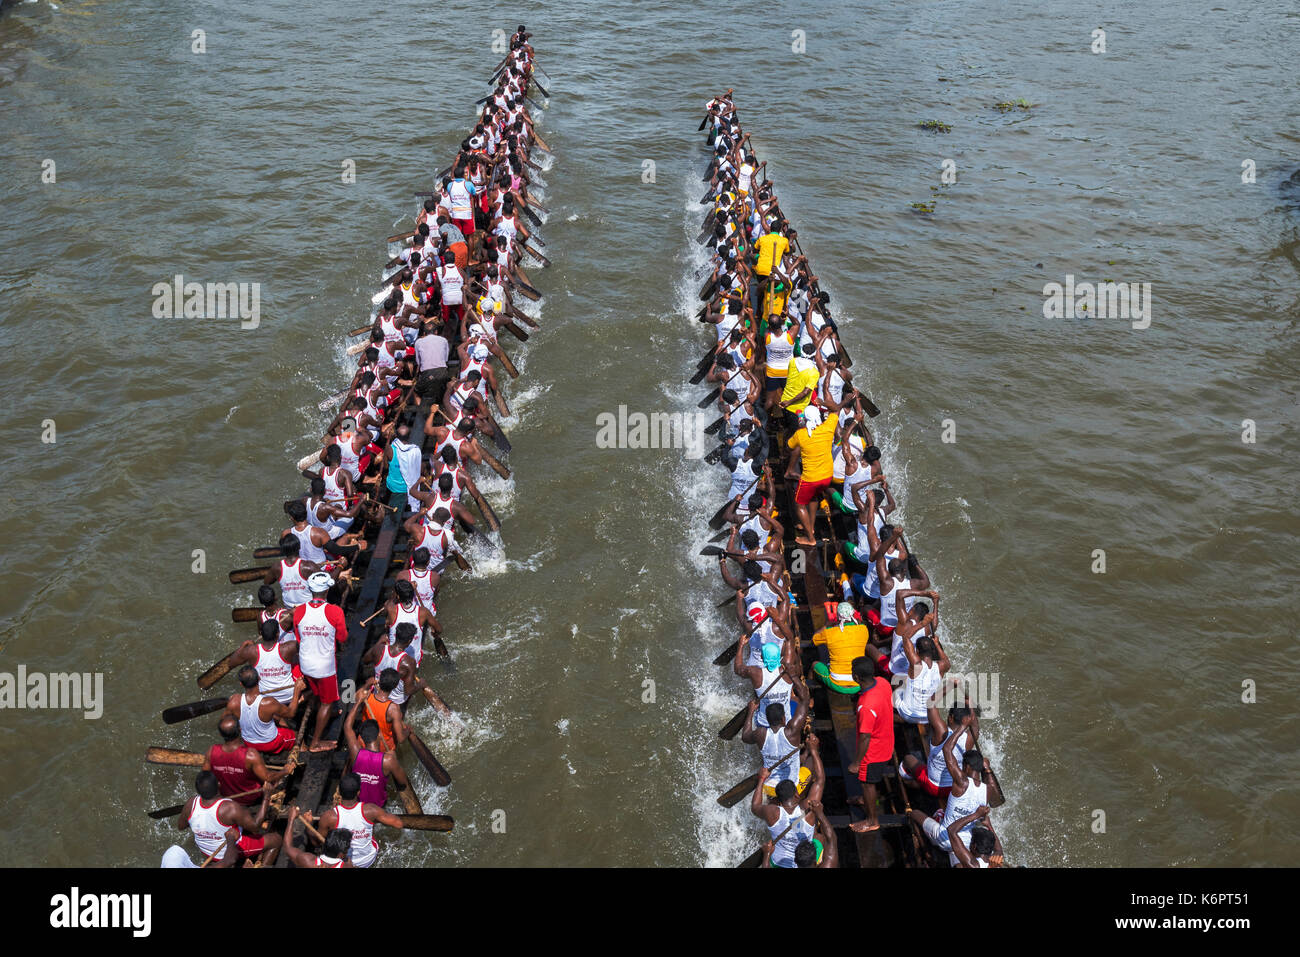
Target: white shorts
<point>938,836</point>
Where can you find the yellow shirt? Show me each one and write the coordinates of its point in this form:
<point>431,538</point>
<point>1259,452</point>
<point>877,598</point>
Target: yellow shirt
<point>797,379</point>
<point>844,645</point>
<point>771,247</point>
<point>815,449</point>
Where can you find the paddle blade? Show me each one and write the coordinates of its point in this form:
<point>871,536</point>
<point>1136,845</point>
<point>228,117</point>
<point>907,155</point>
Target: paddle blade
<point>244,614</point>
<point>241,575</point>
<point>217,671</point>
<point>178,759</point>
<point>709,399</point>
<point>711,550</point>
<point>436,770</point>
<point>719,517</point>
<point>268,551</point>
<point>436,700</point>
<point>163,812</point>
<point>732,727</point>
<point>738,792</point>
<point>712,429</point>
<point>195,709</point>
<point>727,656</point>
<point>754,860</point>
<point>427,822</point>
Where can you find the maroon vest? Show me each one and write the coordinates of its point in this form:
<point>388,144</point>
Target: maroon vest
<point>232,777</point>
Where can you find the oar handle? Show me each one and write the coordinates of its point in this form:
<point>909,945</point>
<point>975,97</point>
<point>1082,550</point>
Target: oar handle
<point>792,753</point>
<point>375,615</point>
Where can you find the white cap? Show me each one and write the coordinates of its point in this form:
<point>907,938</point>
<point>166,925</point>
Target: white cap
<point>475,329</point>
<point>175,856</point>
<point>812,416</point>
<point>478,351</point>
<point>319,582</point>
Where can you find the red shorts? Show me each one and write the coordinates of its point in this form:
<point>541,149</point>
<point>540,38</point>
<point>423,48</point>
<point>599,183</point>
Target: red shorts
<point>922,777</point>
<point>458,310</point>
<point>284,738</point>
<point>466,226</point>
<point>297,672</point>
<point>807,491</point>
<point>873,616</point>
<point>327,688</point>
<point>251,845</point>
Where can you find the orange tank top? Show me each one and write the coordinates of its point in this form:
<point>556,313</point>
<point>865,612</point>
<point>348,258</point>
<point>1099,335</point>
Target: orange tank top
<point>381,718</point>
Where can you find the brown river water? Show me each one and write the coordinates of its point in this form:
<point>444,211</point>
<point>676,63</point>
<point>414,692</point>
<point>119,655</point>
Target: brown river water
<point>1121,737</point>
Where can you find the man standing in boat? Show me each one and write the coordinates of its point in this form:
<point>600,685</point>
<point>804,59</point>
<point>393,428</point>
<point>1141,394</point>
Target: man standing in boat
<point>319,627</point>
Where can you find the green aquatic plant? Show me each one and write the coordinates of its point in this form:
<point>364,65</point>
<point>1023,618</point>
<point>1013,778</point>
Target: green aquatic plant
<point>935,126</point>
<point>923,207</point>
<point>1008,105</point>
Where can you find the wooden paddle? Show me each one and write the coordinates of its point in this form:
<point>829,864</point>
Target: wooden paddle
<point>427,822</point>
<point>524,317</point>
<point>526,290</point>
<point>247,613</point>
<point>174,757</point>
<point>175,809</point>
<point>732,797</point>
<point>332,400</point>
<point>217,671</point>
<point>360,331</point>
<point>717,521</point>
<point>729,654</point>
<point>505,362</point>
<point>532,201</point>
<point>195,709</point>
<point>709,399</point>
<point>532,216</point>
<point>241,575</point>
<point>435,699</point>
<point>515,331</point>
<point>208,860</point>
<point>436,770</point>
<point>489,515</point>
<point>713,427</point>
<point>732,727</point>
<point>400,237</point>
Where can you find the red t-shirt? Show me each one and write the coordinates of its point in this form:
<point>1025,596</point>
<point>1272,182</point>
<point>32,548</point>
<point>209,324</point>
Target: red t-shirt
<point>876,717</point>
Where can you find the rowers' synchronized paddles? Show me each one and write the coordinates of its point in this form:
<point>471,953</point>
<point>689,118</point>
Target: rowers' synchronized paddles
<point>351,593</point>
<point>793,430</point>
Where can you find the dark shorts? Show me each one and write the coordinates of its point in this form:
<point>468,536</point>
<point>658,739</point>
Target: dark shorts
<point>772,382</point>
<point>431,383</point>
<point>876,772</point>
